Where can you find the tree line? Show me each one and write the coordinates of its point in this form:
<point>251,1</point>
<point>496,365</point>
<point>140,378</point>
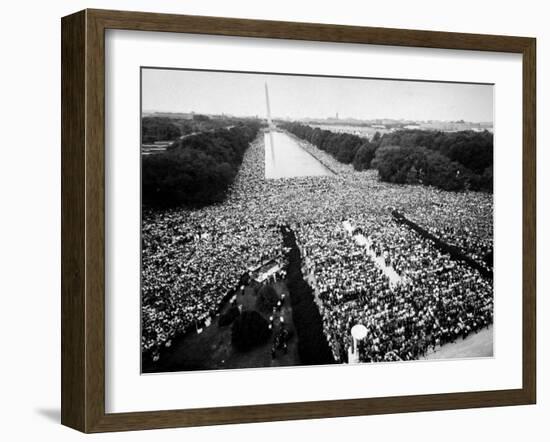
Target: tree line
<point>197,170</point>
<point>344,147</point>
<point>169,128</point>
<point>158,129</point>
<point>450,161</point>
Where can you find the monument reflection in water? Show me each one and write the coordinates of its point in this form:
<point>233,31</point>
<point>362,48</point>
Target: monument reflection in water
<point>284,158</point>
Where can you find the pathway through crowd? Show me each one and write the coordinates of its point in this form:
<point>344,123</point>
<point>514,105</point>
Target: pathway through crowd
<point>360,239</point>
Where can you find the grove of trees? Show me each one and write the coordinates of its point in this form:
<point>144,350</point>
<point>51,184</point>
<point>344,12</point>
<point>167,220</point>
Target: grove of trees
<point>158,129</point>
<point>171,127</point>
<point>473,150</point>
<point>342,146</point>
<point>197,170</point>
<point>447,160</point>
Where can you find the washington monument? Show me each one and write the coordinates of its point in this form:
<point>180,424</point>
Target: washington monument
<point>269,122</point>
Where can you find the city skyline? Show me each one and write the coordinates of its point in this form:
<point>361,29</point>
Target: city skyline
<point>314,97</point>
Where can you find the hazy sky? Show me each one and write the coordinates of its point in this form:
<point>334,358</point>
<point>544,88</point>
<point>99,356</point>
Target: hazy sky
<point>318,97</point>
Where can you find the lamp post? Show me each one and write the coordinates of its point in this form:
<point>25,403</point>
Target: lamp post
<point>358,334</point>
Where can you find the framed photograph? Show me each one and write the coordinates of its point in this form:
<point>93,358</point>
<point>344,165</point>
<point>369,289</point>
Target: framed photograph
<point>266,220</point>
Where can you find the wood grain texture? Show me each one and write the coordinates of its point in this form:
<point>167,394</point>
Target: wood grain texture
<point>83,220</point>
<point>95,222</point>
<point>529,221</point>
<point>144,21</point>
<point>73,257</point>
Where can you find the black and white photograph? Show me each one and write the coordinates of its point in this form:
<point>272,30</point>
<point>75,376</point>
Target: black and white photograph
<point>298,220</point>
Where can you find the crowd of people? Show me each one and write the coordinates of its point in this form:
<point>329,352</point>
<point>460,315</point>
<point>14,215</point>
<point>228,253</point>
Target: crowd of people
<point>191,258</point>
<point>437,301</point>
<point>459,222</point>
<point>185,277</point>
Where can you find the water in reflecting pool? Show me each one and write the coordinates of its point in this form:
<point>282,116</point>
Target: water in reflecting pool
<point>284,158</point>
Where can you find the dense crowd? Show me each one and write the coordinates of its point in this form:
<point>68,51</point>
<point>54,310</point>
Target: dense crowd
<point>461,223</point>
<point>186,276</point>
<point>192,258</point>
<point>437,301</point>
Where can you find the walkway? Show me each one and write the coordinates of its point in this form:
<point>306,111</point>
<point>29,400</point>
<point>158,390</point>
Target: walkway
<point>361,240</point>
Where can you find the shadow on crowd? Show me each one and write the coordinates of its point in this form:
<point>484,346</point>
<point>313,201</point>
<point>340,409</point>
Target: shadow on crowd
<point>313,347</point>
<point>454,251</point>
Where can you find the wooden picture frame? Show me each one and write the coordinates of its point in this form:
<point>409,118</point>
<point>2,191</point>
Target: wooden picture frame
<point>83,220</point>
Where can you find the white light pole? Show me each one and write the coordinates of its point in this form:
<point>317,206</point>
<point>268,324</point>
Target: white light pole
<point>358,334</point>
